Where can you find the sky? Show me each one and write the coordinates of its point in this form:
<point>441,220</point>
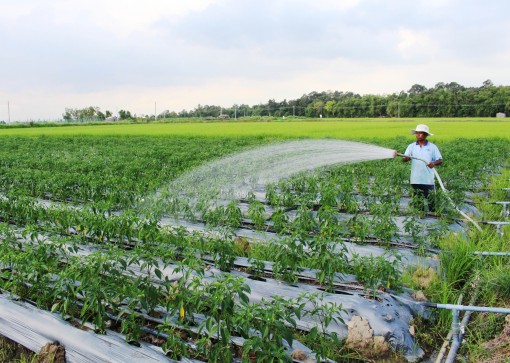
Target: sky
<point>154,55</point>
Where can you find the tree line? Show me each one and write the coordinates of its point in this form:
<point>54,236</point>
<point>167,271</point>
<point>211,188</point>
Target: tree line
<point>442,100</point>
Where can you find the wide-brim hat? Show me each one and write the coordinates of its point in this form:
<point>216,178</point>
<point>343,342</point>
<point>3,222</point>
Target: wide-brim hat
<point>422,128</point>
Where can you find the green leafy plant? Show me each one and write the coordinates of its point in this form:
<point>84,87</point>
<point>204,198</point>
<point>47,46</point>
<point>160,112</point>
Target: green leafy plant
<point>265,325</point>
<point>256,212</point>
<point>223,295</point>
<point>323,313</point>
<point>379,271</point>
<point>328,259</point>
<point>288,256</point>
<point>174,347</point>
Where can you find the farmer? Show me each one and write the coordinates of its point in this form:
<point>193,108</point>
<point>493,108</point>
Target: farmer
<point>422,175</point>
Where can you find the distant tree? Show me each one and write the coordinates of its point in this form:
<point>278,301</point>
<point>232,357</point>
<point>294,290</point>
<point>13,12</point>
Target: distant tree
<point>184,113</point>
<point>488,83</point>
<point>244,110</point>
<point>329,107</point>
<point>454,87</point>
<point>68,114</point>
<point>272,107</point>
<point>163,114</point>
<point>417,89</point>
<point>443,100</point>
<point>84,114</point>
<point>439,86</point>
<point>125,115</point>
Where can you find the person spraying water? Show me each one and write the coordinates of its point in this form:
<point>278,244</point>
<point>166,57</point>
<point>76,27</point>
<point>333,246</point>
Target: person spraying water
<point>424,156</point>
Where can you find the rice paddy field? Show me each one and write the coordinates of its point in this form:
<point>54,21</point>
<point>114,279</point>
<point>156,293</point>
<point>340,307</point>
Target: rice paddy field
<point>447,129</point>
<point>106,250</point>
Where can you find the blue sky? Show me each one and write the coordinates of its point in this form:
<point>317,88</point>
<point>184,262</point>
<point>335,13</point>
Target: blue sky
<point>173,55</point>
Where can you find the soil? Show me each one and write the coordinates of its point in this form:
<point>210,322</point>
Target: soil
<point>499,347</point>
<point>360,337</point>
<point>52,353</point>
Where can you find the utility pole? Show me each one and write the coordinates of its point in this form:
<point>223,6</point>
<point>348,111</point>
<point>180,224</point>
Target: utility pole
<point>8,112</point>
<point>398,107</point>
<point>155,113</point>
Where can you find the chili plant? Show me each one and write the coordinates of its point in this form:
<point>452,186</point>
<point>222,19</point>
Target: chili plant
<point>359,226</point>
<point>223,252</point>
<point>174,347</point>
<point>288,257</point>
<point>323,313</point>
<point>384,227</point>
<point>328,223</point>
<point>256,212</point>
<point>280,221</point>
<point>416,231</point>
<point>265,325</point>
<point>380,271</point>
<point>305,222</point>
<point>220,304</point>
<point>183,296</point>
<point>328,259</point>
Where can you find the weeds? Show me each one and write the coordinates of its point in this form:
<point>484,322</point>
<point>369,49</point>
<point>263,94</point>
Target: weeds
<point>12,352</point>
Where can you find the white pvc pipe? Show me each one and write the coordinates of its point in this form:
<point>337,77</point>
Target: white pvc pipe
<point>486,309</point>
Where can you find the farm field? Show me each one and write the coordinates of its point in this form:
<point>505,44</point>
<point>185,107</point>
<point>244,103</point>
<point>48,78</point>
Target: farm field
<point>448,129</point>
<point>94,232</point>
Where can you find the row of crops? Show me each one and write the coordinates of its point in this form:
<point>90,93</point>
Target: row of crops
<point>91,231</point>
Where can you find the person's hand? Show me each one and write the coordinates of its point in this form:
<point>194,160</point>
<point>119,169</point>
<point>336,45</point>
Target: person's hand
<point>431,165</point>
<point>395,153</point>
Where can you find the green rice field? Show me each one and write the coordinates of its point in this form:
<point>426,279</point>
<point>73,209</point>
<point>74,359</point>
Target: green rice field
<point>339,129</point>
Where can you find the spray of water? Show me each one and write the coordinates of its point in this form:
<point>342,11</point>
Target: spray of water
<point>238,175</point>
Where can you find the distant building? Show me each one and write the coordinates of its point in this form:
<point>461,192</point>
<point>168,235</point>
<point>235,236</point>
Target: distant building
<point>501,114</point>
<point>223,116</point>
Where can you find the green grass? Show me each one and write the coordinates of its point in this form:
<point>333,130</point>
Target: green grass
<point>11,352</point>
<point>362,129</point>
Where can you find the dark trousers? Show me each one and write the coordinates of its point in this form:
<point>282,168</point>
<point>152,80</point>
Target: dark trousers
<point>422,192</point>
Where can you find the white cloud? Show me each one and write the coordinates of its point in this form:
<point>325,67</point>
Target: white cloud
<point>64,53</point>
<point>415,46</point>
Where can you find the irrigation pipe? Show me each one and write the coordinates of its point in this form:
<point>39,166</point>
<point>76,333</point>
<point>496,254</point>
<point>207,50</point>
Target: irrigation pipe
<point>485,309</point>
<point>458,337</point>
<point>457,331</point>
<point>458,328</point>
<point>446,192</point>
<point>502,254</point>
<point>442,351</point>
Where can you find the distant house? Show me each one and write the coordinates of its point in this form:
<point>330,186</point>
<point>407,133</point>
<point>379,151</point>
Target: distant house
<point>111,118</point>
<point>501,114</point>
<point>223,116</point>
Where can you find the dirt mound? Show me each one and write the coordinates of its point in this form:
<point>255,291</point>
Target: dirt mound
<point>361,337</point>
<point>499,347</point>
<point>52,353</point>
